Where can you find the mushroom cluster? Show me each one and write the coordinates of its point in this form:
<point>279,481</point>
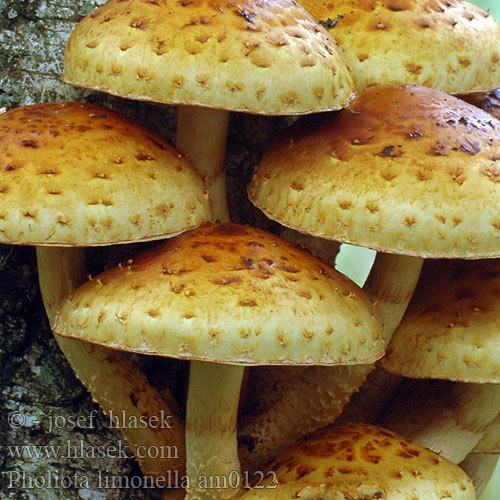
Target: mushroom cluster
<point>210,58</point>
<point>76,175</point>
<point>393,163</point>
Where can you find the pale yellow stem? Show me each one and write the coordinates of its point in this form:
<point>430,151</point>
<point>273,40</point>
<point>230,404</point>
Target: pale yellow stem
<point>326,250</point>
<point>213,466</point>
<point>391,284</point>
<point>480,468</point>
<point>448,418</point>
<point>114,382</point>
<point>490,442</point>
<point>60,271</point>
<point>201,137</point>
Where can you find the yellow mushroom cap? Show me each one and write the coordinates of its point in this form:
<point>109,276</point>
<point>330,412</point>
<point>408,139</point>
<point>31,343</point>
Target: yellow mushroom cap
<point>451,328</point>
<point>77,174</point>
<point>231,294</point>
<point>405,169</point>
<point>449,45</point>
<point>257,56</point>
<point>362,462</point>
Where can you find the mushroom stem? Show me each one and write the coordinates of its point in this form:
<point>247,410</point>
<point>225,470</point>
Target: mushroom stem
<point>60,271</point>
<point>326,250</point>
<point>213,465</point>
<point>201,136</point>
<point>391,284</point>
<point>490,443</point>
<point>115,383</point>
<point>480,468</point>
<point>444,417</point>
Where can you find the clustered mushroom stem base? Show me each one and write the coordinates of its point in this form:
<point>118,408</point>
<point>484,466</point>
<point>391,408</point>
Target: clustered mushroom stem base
<point>213,466</point>
<point>113,381</point>
<point>451,429</point>
<point>201,137</point>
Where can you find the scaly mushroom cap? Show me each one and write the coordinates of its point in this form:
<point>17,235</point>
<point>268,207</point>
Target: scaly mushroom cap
<point>449,45</point>
<point>257,56</point>
<point>77,174</point>
<point>363,462</point>
<point>490,102</point>
<point>404,169</point>
<point>450,328</point>
<point>231,294</point>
